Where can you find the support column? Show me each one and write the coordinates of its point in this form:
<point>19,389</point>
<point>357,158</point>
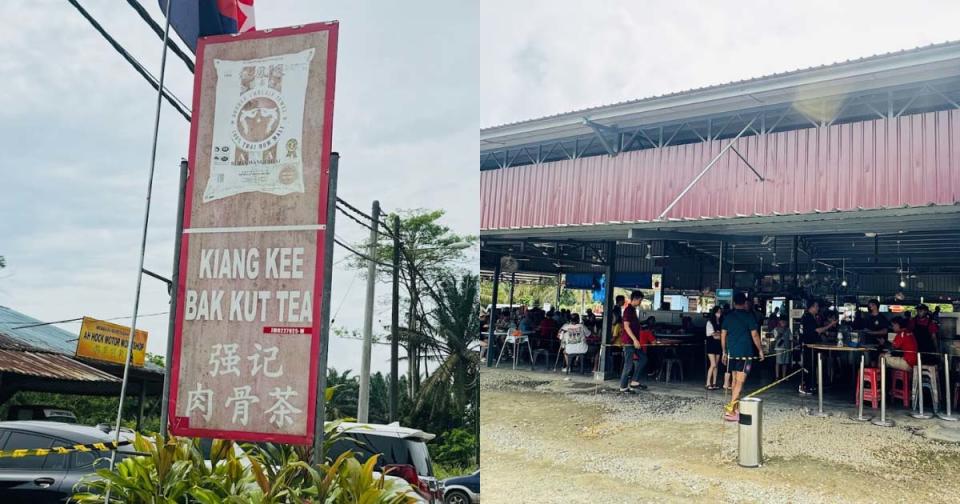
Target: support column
<point>494,314</point>
<point>611,270</point>
<point>720,267</point>
<point>796,261</point>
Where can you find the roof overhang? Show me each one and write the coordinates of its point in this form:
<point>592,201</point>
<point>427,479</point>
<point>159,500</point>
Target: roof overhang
<point>927,64</point>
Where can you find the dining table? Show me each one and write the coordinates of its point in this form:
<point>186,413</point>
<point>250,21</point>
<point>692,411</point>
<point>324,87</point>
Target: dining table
<point>825,347</point>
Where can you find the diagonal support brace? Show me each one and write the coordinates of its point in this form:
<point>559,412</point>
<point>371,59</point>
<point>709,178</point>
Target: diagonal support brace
<point>706,169</point>
<point>601,130</point>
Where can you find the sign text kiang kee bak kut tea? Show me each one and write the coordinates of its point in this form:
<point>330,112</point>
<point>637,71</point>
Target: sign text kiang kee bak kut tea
<point>247,325</point>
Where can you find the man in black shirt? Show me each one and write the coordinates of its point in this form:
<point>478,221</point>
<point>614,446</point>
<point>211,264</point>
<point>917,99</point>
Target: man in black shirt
<point>810,333</point>
<point>875,324</point>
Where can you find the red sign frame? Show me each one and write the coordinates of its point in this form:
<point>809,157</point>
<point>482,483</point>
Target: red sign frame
<point>177,427</point>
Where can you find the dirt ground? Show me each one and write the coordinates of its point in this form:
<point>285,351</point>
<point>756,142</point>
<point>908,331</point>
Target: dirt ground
<point>547,439</point>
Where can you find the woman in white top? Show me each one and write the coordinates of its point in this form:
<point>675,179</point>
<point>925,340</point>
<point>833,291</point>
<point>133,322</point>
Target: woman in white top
<point>573,340</point>
<point>713,346</point>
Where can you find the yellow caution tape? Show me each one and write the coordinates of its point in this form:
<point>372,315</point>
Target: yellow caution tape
<point>62,450</point>
<point>729,406</point>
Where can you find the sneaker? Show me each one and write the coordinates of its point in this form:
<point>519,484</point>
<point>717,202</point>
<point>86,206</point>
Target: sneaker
<point>564,370</point>
<point>641,386</point>
<point>805,392</point>
<point>627,391</point>
<point>732,417</point>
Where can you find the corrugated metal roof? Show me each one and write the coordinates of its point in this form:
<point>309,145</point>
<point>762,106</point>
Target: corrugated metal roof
<point>50,365</point>
<point>46,350</point>
<point>46,337</point>
<point>831,66</point>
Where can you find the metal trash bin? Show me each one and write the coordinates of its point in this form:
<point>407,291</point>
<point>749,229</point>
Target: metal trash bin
<point>751,432</point>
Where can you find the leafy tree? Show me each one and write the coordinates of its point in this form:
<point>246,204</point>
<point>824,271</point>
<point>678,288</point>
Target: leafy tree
<point>344,401</point>
<point>454,448</point>
<point>430,251</point>
<point>527,294</point>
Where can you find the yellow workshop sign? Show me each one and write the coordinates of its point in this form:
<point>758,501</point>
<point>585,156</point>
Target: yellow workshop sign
<point>104,341</point>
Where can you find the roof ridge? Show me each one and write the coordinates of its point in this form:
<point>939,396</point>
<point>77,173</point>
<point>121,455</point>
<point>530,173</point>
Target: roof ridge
<point>871,57</point>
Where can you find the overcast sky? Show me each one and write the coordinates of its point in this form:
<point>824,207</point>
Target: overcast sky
<point>76,124</point>
<point>543,57</point>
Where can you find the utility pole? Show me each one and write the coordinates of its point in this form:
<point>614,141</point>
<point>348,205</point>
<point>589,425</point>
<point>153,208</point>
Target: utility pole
<point>395,322</point>
<point>363,404</point>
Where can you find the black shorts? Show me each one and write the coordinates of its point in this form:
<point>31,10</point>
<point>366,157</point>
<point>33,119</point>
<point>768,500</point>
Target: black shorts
<point>713,346</point>
<point>738,365</point>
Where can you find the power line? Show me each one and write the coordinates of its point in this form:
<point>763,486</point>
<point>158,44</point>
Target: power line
<point>65,321</point>
<point>358,221</point>
<point>159,31</point>
<point>361,255</point>
<point>362,214</point>
<point>173,100</point>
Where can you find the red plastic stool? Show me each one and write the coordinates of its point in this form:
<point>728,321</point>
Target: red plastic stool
<point>872,392</point>
<point>901,391</point>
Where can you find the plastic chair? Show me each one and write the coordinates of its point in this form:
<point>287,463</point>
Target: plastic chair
<point>571,358</point>
<point>546,357</point>
<point>871,393</point>
<point>900,386</point>
<point>667,369</point>
<point>928,380</point>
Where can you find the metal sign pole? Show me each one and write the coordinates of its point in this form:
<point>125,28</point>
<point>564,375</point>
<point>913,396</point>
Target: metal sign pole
<point>948,416</point>
<point>883,421</point>
<point>320,412</point>
<point>860,417</point>
<point>143,247</point>
<point>918,383</point>
<point>174,281</point>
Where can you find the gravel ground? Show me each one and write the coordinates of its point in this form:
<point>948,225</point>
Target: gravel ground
<point>547,439</point>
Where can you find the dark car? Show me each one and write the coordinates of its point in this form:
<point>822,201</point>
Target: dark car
<point>462,489</point>
<point>403,453</point>
<point>50,478</point>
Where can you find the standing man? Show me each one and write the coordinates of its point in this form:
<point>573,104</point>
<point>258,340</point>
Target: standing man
<point>630,338</point>
<point>737,340</point>
<point>875,323</point>
<point>810,333</point>
<point>925,330</point>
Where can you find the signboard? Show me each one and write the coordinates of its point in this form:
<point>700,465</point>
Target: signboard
<point>107,342</point>
<point>247,328</point>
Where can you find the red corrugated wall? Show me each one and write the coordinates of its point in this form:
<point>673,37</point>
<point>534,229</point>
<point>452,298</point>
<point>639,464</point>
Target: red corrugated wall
<point>908,161</point>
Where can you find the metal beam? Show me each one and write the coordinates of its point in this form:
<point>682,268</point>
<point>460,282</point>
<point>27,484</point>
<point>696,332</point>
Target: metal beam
<point>705,170</point>
<point>600,130</point>
<point>646,234</point>
<point>754,170</point>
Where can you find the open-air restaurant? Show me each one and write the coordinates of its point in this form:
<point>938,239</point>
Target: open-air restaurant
<point>878,352</point>
<point>790,232</point>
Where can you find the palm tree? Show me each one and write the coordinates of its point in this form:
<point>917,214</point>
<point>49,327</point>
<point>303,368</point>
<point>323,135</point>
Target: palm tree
<point>455,325</point>
<point>343,403</point>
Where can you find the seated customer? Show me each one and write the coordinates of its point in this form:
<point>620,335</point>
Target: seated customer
<point>548,328</point>
<point>903,353</point>
<point>573,339</point>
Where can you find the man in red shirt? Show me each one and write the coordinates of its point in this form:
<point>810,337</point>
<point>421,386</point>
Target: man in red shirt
<point>904,345</point>
<point>630,339</point>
